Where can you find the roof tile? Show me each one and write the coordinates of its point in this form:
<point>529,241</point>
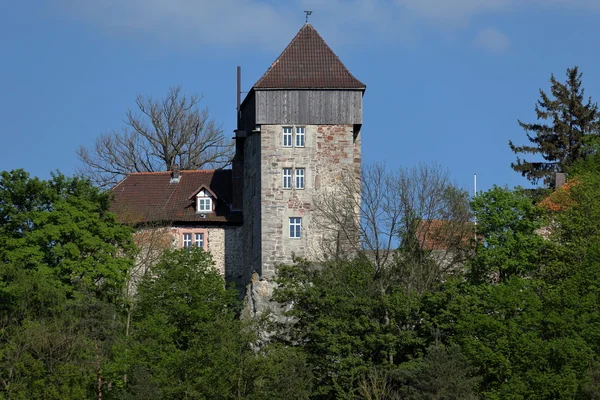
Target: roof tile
<point>151,197</point>
<point>308,63</point>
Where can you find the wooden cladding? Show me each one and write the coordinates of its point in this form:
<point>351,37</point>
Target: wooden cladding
<point>308,107</point>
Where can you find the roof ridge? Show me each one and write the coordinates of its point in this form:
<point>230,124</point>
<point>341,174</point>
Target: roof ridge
<point>168,172</point>
<point>148,173</point>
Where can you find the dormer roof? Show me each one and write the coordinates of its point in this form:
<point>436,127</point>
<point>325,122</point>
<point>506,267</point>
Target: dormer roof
<point>206,189</point>
<point>308,63</point>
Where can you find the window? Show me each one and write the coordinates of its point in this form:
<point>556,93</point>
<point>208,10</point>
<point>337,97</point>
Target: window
<point>204,204</point>
<point>294,139</point>
<point>199,240</point>
<point>287,136</point>
<point>295,227</point>
<point>299,178</point>
<point>193,237</point>
<point>300,136</point>
<point>187,240</point>
<point>287,178</point>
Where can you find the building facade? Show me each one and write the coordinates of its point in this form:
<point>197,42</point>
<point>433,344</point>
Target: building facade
<point>298,135</point>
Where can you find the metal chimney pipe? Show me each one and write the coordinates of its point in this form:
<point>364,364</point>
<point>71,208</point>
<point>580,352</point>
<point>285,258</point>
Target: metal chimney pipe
<point>239,95</point>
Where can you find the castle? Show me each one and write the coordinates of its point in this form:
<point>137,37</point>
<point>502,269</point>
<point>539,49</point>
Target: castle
<point>298,134</point>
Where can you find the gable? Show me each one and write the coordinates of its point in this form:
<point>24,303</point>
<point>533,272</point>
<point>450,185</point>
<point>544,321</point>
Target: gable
<point>204,191</point>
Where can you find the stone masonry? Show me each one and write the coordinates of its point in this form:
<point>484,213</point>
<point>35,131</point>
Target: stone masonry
<point>331,152</point>
<point>223,243</point>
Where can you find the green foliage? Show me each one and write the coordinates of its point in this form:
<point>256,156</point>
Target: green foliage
<point>506,229</point>
<point>64,261</point>
<point>276,372</point>
<point>185,334</point>
<point>533,333</point>
<point>522,323</point>
<point>62,266</point>
<point>567,138</point>
<point>346,324</point>
<point>443,373</point>
<point>522,340</point>
<point>189,343</point>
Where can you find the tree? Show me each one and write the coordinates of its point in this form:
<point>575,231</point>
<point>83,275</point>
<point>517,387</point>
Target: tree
<point>443,373</point>
<point>532,332</point>
<point>566,138</point>
<point>344,323</point>
<point>188,342</point>
<point>412,225</point>
<point>63,262</point>
<point>525,337</point>
<point>165,132</point>
<point>509,245</point>
<point>186,337</point>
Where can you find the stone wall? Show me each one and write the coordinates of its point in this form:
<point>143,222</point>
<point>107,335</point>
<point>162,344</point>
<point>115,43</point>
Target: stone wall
<point>331,152</point>
<point>224,244</point>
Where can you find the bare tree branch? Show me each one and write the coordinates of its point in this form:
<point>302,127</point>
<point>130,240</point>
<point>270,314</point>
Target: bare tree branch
<point>413,228</point>
<point>173,130</point>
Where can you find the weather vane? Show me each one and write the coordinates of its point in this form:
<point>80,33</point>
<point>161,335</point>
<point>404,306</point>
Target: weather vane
<point>307,12</point>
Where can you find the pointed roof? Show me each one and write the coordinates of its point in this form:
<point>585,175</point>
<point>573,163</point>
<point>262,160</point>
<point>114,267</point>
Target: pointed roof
<point>308,63</point>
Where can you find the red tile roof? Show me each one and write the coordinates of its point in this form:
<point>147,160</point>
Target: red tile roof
<point>443,235</point>
<point>560,199</point>
<point>151,197</point>
<point>308,63</point>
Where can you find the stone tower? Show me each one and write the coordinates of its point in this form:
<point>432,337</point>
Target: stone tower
<point>298,133</point>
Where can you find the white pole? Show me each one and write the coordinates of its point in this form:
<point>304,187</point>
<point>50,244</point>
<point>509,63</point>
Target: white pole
<point>475,194</point>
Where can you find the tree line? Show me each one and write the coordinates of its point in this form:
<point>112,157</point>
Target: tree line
<point>422,310</point>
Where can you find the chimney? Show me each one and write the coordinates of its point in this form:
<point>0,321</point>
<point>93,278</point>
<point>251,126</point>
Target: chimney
<point>175,174</point>
<point>559,179</point>
<point>239,96</point>
<point>237,164</point>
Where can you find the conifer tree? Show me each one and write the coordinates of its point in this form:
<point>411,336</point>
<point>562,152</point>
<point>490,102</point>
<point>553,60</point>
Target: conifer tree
<point>565,137</point>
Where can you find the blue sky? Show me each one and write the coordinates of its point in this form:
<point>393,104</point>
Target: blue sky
<point>446,79</point>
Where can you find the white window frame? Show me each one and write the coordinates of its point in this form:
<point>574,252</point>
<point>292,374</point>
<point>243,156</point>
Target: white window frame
<point>287,138</point>
<point>300,177</point>
<point>287,178</point>
<point>193,237</point>
<point>300,136</point>
<point>295,227</point>
<point>199,239</point>
<point>204,202</point>
<point>186,240</point>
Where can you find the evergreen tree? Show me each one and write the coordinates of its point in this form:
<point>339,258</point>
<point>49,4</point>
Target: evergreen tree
<point>565,138</point>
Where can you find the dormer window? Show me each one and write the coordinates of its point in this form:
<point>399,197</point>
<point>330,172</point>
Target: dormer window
<point>204,202</point>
